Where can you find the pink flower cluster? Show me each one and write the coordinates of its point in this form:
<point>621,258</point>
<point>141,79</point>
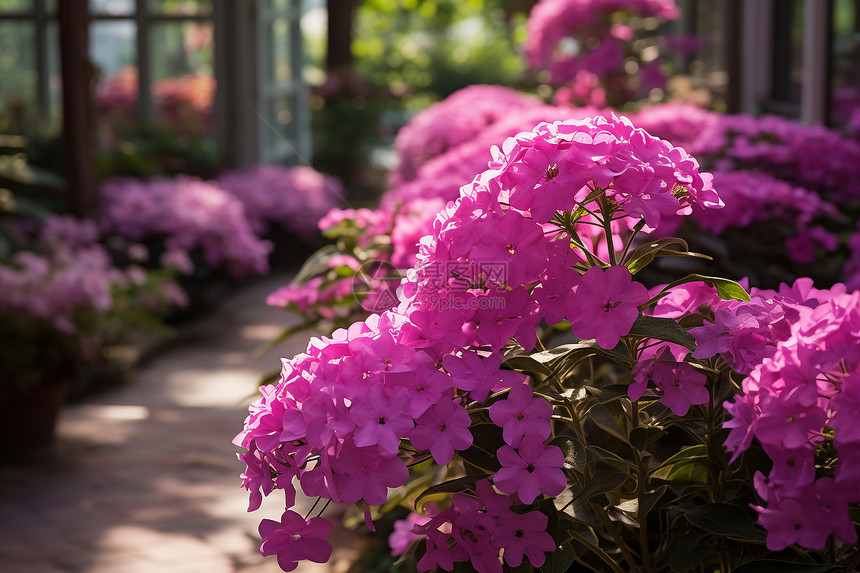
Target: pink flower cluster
<point>481,525</point>
<point>66,271</point>
<point>497,263</point>
<point>55,287</point>
<point>575,41</point>
<point>294,198</point>
<point>184,103</point>
<point>453,121</point>
<point>800,401</point>
<point>191,215</point>
<point>755,197</point>
<point>812,157</point>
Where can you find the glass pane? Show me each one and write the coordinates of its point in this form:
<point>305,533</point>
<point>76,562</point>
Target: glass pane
<point>180,7</point>
<point>18,70</point>
<point>16,6</point>
<point>279,120</point>
<point>112,7</point>
<point>183,86</point>
<point>845,66</point>
<point>112,50</point>
<point>51,6</point>
<point>279,55</point>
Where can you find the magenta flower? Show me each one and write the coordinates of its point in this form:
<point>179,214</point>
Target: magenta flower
<point>522,414</point>
<point>363,473</point>
<point>603,306</point>
<point>530,470</point>
<point>294,539</point>
<point>443,429</point>
<point>682,385</point>
<point>381,420</point>
<point>524,535</point>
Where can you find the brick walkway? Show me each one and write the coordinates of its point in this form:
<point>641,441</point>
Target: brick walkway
<point>144,478</point>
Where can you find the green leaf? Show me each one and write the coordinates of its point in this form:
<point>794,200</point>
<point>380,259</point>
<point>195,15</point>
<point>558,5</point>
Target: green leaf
<point>486,440</point>
<point>569,503</point>
<point>686,455</point>
<point>644,436</point>
<point>666,329</point>
<point>649,500</point>
<point>611,418</point>
<point>452,486</point>
<point>725,520</point>
<point>695,472</point>
<point>608,393</point>
<point>559,560</point>
<point>527,364</point>
<point>687,553</point>
<point>644,254</point>
<point>774,566</point>
<point>315,264</point>
<point>726,289</point>
<point>603,482</point>
<point>581,349</point>
<point>574,452</point>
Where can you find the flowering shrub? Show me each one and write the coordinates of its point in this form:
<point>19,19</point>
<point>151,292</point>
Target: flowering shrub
<point>457,119</point>
<point>190,215</point>
<point>184,103</point>
<point>293,198</point>
<point>812,157</point>
<point>383,242</point>
<point>587,48</point>
<point>606,451</point>
<point>63,299</point>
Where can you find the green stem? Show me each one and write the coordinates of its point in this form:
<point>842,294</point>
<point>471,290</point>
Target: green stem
<point>641,488</point>
<point>607,228</point>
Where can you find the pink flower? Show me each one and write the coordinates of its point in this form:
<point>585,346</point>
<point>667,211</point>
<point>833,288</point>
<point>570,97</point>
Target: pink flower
<point>604,305</point>
<point>524,535</point>
<point>479,375</point>
<point>381,420</point>
<point>682,385</point>
<point>294,539</point>
<point>443,429</point>
<point>522,414</point>
<point>531,469</point>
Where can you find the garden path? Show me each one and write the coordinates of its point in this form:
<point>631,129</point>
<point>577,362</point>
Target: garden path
<point>144,479</point>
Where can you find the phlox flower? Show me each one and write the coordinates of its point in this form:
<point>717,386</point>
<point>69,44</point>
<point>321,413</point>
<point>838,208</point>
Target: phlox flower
<point>403,535</point>
<point>846,404</point>
<point>603,305</point>
<point>680,384</point>
<point>294,539</point>
<point>524,535</point>
<point>438,553</point>
<point>365,473</point>
<point>521,414</point>
<point>530,470</point>
<point>381,420</point>
<point>479,375</point>
<point>443,429</point>
<point>262,475</point>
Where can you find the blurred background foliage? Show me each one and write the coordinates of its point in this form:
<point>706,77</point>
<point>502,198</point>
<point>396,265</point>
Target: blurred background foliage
<point>407,55</point>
